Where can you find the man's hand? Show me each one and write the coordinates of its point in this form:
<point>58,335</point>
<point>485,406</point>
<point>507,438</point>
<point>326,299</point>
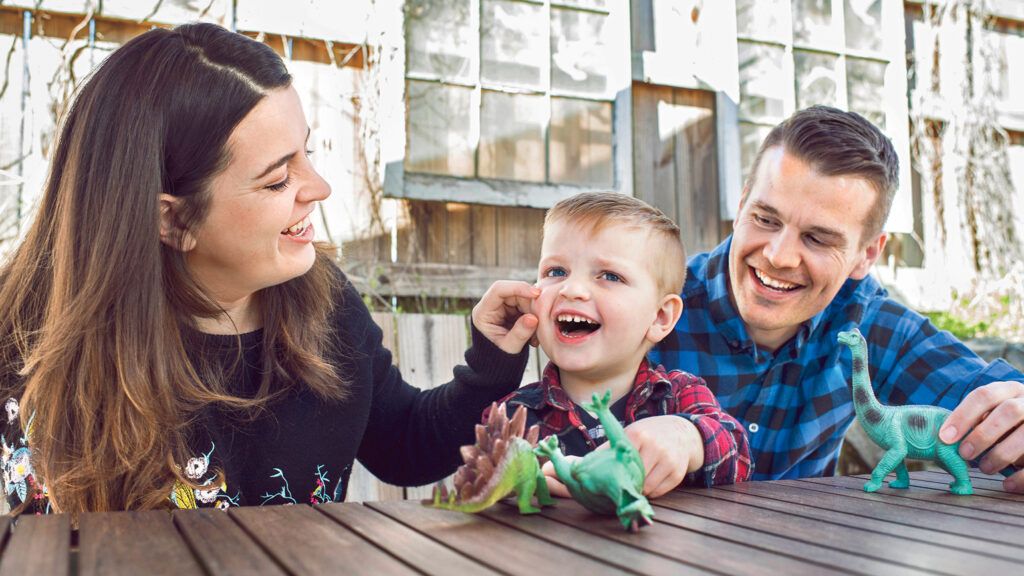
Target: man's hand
<point>503,314</point>
<point>995,412</point>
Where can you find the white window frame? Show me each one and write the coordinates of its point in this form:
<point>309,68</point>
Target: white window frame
<point>398,183</point>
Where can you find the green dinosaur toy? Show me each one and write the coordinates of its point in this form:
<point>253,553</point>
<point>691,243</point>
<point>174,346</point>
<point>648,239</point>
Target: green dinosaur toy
<point>500,463</point>
<point>605,481</point>
<point>903,431</point>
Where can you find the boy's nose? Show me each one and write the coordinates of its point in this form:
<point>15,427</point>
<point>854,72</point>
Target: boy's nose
<point>574,290</point>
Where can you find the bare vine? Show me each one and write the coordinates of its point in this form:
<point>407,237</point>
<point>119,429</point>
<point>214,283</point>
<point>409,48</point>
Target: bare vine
<point>970,124</point>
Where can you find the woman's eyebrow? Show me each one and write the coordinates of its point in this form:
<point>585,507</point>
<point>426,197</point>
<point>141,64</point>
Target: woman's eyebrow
<point>283,159</point>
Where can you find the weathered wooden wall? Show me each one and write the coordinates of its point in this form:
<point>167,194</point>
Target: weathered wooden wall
<point>448,249</point>
<point>674,160</point>
<point>425,347</point>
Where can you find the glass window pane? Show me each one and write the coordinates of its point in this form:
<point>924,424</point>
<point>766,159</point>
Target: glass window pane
<point>438,133</point>
<point>813,24</point>
<point>751,137</point>
<point>512,136</point>
<point>815,78</point>
<point>865,85</point>
<point>513,43</point>
<point>439,38</point>
<point>762,81</point>
<point>579,53</point>
<point>762,19</point>
<point>864,24</point>
<point>581,142</point>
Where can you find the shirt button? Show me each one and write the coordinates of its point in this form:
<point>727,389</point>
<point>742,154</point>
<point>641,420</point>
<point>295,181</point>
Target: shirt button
<point>753,427</point>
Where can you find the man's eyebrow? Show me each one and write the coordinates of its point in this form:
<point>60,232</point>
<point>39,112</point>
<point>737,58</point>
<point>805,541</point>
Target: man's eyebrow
<point>282,160</point>
<point>770,210</point>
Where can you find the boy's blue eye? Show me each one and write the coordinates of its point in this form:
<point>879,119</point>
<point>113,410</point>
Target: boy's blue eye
<point>555,273</point>
<point>611,276</point>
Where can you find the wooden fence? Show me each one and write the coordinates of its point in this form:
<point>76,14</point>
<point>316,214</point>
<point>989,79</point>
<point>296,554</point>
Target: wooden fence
<point>425,347</point>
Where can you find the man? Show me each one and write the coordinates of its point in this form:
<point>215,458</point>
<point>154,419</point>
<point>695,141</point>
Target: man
<point>762,311</point>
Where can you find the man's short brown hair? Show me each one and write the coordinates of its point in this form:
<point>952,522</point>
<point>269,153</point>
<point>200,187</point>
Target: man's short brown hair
<point>838,143</point>
<point>596,210</point>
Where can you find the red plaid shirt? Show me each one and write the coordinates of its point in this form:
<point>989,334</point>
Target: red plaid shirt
<point>655,393</point>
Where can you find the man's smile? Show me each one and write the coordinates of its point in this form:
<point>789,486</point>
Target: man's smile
<point>772,283</point>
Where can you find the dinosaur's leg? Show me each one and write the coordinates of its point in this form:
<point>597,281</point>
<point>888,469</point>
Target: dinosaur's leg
<point>892,458</point>
<point>902,477</point>
<point>950,459</point>
<point>543,495</point>
<point>524,495</point>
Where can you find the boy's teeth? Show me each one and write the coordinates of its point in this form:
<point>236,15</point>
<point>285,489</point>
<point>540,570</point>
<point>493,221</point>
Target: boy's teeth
<point>572,318</point>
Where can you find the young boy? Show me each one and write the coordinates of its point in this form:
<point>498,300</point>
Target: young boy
<point>611,271</point>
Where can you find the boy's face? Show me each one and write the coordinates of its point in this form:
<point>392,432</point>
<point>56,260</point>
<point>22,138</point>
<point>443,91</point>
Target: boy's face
<point>599,306</point>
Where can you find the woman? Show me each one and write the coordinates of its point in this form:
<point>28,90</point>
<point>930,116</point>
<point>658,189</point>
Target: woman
<point>169,333</point>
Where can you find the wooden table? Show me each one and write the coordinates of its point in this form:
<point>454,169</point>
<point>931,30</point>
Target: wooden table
<point>792,527</point>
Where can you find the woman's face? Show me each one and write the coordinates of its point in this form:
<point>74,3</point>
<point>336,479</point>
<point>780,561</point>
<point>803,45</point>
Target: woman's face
<point>258,231</point>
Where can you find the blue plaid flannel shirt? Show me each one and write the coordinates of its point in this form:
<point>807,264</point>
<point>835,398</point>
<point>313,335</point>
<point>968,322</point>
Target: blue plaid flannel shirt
<point>796,403</point>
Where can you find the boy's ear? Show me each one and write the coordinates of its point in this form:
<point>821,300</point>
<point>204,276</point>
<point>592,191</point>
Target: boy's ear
<point>172,233</point>
<point>665,321</point>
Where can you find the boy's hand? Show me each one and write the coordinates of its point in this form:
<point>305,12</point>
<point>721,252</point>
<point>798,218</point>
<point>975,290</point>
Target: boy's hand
<point>555,485</point>
<point>503,314</point>
<point>669,446</point>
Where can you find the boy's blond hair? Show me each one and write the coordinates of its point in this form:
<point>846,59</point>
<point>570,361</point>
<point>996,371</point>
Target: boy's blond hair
<point>596,210</point>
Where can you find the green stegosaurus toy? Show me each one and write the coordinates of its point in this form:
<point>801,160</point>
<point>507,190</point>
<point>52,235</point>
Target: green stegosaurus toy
<point>504,461</point>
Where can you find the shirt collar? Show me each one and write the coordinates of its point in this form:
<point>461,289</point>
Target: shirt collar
<point>648,381</point>
<point>723,312</point>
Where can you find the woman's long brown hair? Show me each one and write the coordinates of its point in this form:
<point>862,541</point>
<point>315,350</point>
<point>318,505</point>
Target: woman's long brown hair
<point>96,314</point>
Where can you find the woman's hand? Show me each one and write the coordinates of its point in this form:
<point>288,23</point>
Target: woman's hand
<point>503,314</point>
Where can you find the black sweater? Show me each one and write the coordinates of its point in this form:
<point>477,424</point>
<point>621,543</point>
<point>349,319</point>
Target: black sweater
<point>301,448</point>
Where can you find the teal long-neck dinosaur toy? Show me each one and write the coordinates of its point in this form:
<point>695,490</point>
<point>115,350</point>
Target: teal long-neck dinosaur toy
<point>504,462</point>
<point>903,431</point>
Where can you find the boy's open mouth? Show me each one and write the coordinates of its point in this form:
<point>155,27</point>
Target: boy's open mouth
<point>572,326</point>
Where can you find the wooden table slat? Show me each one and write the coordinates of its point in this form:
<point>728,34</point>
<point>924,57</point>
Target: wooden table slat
<point>221,545</point>
<point>308,542</point>
<point>979,508</point>
<point>37,545</point>
<point>908,523</point>
<point>492,543</point>
<point>856,549</point>
<point>608,551</point>
<point>133,543</point>
<point>982,486</point>
<point>403,542</point>
<point>694,547</point>
<point>793,527</point>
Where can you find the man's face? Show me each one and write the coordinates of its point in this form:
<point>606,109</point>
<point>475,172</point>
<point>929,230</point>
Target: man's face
<point>796,240</point>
